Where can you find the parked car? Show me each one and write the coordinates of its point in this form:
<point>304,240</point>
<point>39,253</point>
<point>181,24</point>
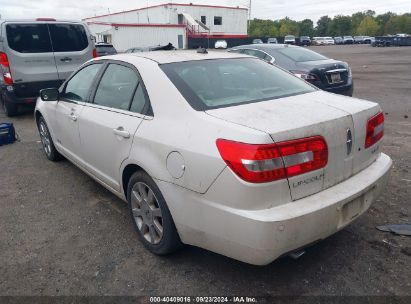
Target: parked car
<point>359,39</point>
<point>369,40</point>
<point>257,41</point>
<point>272,40</point>
<point>305,40</point>
<point>338,40</point>
<point>329,41</point>
<point>137,50</point>
<point>232,154</point>
<point>220,44</point>
<point>402,35</point>
<point>318,41</point>
<point>348,40</point>
<point>167,47</point>
<point>289,39</point>
<point>381,43</point>
<point>104,49</point>
<point>325,73</point>
<point>37,54</point>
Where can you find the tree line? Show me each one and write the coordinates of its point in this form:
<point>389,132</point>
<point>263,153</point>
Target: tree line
<point>361,23</point>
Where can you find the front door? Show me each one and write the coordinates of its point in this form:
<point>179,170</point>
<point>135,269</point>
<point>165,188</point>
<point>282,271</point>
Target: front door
<point>69,108</point>
<point>107,126</point>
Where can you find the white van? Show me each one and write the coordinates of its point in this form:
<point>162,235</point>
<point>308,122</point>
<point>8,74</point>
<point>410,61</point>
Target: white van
<point>38,54</point>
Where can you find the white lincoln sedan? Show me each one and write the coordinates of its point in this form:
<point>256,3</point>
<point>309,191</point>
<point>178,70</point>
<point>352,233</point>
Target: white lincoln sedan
<point>218,150</point>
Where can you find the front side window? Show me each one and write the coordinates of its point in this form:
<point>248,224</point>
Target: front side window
<point>203,20</point>
<point>218,20</point>
<point>68,37</point>
<point>78,87</point>
<point>28,38</point>
<point>211,84</point>
<point>117,87</point>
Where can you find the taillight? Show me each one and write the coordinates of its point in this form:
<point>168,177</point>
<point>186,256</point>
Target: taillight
<point>375,129</point>
<point>5,69</point>
<point>306,76</point>
<point>270,162</point>
<point>95,53</point>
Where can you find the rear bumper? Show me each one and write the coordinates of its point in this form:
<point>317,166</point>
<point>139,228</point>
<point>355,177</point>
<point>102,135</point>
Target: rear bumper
<point>10,97</point>
<point>260,236</point>
<point>346,90</point>
<point>26,93</point>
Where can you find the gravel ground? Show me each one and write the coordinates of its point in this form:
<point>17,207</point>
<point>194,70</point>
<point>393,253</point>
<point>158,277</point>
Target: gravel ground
<point>63,234</point>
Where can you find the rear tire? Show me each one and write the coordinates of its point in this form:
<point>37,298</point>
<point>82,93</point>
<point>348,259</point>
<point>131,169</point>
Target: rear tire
<point>150,215</point>
<point>10,109</point>
<point>47,142</point>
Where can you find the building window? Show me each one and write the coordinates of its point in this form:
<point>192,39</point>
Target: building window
<point>203,20</point>
<point>218,20</point>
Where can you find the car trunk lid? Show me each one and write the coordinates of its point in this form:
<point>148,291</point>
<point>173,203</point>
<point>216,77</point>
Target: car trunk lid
<point>306,115</point>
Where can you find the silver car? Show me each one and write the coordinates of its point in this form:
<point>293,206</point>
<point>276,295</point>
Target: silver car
<point>218,150</point>
<point>38,54</point>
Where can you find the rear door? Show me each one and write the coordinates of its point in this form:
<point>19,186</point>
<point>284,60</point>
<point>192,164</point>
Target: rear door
<point>107,125</point>
<point>30,54</point>
<point>72,46</point>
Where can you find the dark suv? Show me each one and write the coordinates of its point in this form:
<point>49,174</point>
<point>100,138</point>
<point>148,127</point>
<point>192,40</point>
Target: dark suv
<point>38,54</point>
<point>105,49</point>
<point>305,40</point>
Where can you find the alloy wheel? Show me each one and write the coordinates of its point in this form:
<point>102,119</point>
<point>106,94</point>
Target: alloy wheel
<point>147,213</point>
<point>45,137</point>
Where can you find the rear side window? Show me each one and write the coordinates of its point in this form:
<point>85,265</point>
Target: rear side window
<point>139,100</point>
<point>116,87</point>
<point>68,37</point>
<point>28,38</point>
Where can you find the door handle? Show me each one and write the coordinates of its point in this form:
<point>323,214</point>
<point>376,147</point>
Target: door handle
<point>72,117</point>
<point>121,132</point>
<point>66,59</point>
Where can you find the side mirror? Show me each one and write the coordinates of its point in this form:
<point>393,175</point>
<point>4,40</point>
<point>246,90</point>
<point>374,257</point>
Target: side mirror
<point>49,94</point>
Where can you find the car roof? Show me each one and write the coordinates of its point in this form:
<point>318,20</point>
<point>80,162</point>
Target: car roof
<point>163,57</point>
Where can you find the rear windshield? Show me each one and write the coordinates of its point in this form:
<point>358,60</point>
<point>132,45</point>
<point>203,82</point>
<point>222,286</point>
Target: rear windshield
<point>68,37</point>
<point>28,38</point>
<point>211,84</point>
<point>300,54</point>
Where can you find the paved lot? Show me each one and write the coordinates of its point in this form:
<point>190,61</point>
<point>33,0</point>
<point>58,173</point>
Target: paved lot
<point>63,234</point>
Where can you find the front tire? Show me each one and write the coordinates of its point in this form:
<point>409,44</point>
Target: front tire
<point>150,215</point>
<point>47,142</point>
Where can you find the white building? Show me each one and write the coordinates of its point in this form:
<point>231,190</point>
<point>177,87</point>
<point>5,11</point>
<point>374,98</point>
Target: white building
<point>170,22</point>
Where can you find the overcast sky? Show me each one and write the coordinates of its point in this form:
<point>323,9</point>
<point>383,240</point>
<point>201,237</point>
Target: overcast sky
<point>274,9</point>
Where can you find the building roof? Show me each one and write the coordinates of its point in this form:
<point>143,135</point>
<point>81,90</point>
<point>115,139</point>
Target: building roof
<point>163,57</point>
<point>170,4</point>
